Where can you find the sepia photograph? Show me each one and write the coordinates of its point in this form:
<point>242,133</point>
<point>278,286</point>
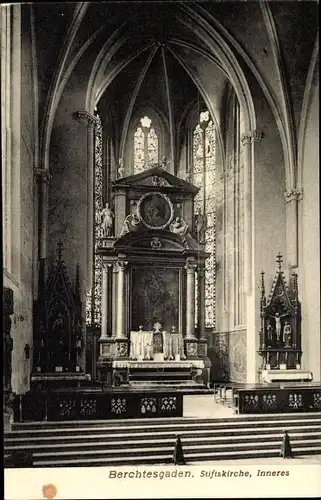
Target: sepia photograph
<point>161,253</point>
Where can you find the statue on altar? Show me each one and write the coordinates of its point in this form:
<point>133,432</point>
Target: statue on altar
<point>106,221</point>
<point>158,338</point>
<point>269,334</point>
<point>59,349</point>
<point>287,334</point>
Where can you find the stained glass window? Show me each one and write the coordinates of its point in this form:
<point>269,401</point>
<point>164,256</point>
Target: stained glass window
<point>204,178</point>
<point>93,303</point>
<point>145,146</point>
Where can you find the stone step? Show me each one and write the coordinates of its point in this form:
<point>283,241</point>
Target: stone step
<point>152,442</point>
<point>166,458</point>
<point>161,447</point>
<point>171,424</point>
<point>114,433</point>
<point>190,452</point>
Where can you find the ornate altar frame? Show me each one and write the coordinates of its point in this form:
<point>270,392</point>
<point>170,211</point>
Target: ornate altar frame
<point>157,246</point>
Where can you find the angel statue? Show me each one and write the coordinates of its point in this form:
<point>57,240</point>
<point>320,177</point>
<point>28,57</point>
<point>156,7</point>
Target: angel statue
<point>179,226</point>
<point>131,223</point>
<point>106,221</point>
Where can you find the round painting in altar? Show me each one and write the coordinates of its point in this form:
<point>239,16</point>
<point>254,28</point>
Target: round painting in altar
<point>155,210</point>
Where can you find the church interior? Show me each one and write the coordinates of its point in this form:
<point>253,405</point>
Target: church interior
<point>160,204</point>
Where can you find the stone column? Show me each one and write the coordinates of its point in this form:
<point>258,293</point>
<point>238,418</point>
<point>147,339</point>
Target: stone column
<point>246,141</point>
<point>121,310</point>
<point>201,300</point>
<point>114,299</point>
<point>84,116</point>
<point>292,197</point>
<point>43,177</point>
<point>249,141</point>
<point>104,301</point>
<point>190,300</point>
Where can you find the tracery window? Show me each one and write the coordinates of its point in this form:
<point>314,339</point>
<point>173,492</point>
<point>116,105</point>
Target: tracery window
<point>203,176</point>
<point>145,146</point>
<point>93,303</point>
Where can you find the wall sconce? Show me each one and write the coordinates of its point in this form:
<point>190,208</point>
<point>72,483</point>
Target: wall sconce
<point>27,351</point>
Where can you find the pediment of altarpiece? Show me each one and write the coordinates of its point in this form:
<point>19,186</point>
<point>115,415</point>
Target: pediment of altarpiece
<point>155,178</point>
<point>161,242</point>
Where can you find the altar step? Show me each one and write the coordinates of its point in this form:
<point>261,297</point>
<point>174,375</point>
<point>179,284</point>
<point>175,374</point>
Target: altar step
<point>175,377</point>
<point>145,441</point>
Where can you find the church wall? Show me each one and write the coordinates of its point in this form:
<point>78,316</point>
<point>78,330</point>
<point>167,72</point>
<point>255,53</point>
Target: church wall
<point>68,188</point>
<point>227,346</point>
<point>309,244</point>
<point>20,278</point>
<point>269,221</point>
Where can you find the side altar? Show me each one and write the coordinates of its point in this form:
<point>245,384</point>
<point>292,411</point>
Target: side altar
<point>280,334</point>
<point>153,260</point>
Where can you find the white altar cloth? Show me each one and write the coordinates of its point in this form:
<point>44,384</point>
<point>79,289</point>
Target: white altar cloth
<point>141,345</point>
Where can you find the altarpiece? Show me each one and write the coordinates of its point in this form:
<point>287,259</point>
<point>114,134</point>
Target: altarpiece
<point>153,262</point>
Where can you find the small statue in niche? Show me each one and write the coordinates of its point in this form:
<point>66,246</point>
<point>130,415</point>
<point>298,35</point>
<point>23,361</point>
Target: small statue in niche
<point>106,221</point>
<point>121,168</point>
<point>269,334</point>
<point>131,223</point>
<point>59,349</point>
<point>200,227</point>
<point>179,226</point>
<point>287,334</point>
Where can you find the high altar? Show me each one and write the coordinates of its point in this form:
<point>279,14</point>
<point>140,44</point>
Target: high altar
<point>153,261</point>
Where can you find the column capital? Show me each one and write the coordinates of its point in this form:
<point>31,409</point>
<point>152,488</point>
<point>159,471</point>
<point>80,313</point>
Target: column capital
<point>121,265</point>
<point>42,175</point>
<point>253,136</point>
<point>257,135</point>
<point>190,267</point>
<point>293,194</point>
<point>84,116</point>
<point>247,138</point>
<point>106,265</point>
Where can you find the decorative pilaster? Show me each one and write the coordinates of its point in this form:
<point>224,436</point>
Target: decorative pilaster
<point>121,318</point>
<point>92,121</point>
<point>104,301</point>
<point>292,197</point>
